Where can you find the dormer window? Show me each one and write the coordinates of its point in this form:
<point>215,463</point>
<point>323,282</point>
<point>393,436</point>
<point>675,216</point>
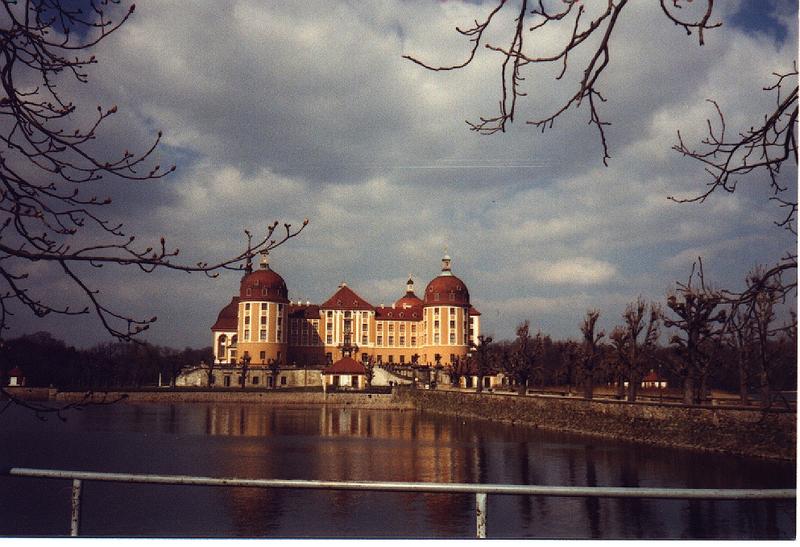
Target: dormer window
<point>264,291</point>
<point>248,291</point>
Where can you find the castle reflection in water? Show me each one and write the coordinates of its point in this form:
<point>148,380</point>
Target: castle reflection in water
<point>403,448</point>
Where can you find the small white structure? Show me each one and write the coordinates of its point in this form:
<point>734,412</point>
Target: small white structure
<point>16,378</point>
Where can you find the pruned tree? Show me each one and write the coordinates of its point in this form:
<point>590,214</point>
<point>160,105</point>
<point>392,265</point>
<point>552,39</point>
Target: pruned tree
<point>739,336</point>
<point>481,359</point>
<point>699,317</point>
<point>274,367</point>
<point>522,362</point>
<point>456,370</point>
<point>769,295</point>
<point>369,368</point>
<point>634,342</point>
<point>590,352</point>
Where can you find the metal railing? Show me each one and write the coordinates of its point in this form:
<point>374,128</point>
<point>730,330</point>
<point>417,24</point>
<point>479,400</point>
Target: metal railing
<point>481,491</point>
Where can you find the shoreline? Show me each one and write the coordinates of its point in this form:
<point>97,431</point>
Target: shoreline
<point>736,431</point>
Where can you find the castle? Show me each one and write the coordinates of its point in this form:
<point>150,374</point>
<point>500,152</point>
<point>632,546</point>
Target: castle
<point>262,327</point>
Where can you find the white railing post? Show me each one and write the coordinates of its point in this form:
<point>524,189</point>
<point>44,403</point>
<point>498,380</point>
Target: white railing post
<point>75,521</point>
<point>480,515</point>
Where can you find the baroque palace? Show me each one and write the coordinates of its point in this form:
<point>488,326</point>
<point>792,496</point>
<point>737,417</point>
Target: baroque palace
<point>262,326</point>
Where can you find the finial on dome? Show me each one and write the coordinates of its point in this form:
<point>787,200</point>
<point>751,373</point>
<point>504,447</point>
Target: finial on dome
<point>446,263</point>
<point>410,284</point>
<point>264,262</point>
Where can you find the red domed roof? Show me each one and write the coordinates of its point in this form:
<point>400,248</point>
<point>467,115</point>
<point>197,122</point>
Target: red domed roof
<point>410,300</point>
<point>446,290</point>
<point>263,285</point>
<point>227,318</point>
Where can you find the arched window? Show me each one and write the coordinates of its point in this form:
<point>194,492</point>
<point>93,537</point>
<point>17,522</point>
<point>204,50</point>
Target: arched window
<point>221,347</point>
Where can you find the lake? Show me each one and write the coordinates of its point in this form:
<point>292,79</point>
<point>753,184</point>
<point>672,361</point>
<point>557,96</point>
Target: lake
<point>320,443</point>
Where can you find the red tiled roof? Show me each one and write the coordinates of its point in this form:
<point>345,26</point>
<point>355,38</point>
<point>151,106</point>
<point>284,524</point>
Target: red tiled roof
<point>345,365</point>
<point>16,371</point>
<point>226,320</point>
<point>384,313</point>
<point>410,300</point>
<point>473,311</point>
<point>263,285</point>
<point>651,377</point>
<point>450,290</point>
<point>304,311</point>
<point>346,299</point>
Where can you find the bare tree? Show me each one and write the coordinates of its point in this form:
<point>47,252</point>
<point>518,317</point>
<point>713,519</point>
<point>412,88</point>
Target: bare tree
<point>739,336</point>
<point>50,168</point>
<point>699,318</point>
<point>482,359</point>
<point>585,30</point>
<point>582,30</point>
<point>590,354</point>
<point>522,362</point>
<point>635,341</point>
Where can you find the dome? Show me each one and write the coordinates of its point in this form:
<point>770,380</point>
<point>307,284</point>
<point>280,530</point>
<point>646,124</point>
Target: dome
<point>263,284</point>
<point>227,318</point>
<point>408,300</point>
<point>446,289</point>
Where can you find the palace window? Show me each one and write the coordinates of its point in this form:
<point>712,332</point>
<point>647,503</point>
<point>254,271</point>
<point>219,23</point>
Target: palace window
<point>379,340</point>
<point>452,338</point>
<point>402,340</point>
<point>262,355</point>
<point>436,338</point>
<point>263,335</point>
<point>413,340</point>
<point>246,319</point>
<point>413,328</point>
<point>391,340</point>
<point>436,324</point>
<point>247,306</point>
<point>255,380</point>
<point>391,359</point>
<point>283,380</point>
<point>363,327</point>
<point>329,339</point>
<point>435,311</point>
<point>402,359</point>
<point>247,334</point>
<point>364,340</point>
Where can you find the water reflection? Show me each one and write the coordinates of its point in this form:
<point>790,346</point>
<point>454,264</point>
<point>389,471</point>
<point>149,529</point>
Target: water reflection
<point>356,444</point>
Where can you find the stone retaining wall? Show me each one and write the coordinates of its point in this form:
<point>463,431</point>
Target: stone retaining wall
<point>750,432</point>
<point>360,400</point>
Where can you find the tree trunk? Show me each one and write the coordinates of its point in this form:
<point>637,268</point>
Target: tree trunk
<point>588,386</point>
<point>764,389</point>
<point>632,384</point>
<point>688,391</point>
<point>620,387</point>
<point>743,388</point>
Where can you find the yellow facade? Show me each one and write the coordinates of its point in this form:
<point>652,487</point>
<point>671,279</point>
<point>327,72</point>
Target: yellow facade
<point>411,330</point>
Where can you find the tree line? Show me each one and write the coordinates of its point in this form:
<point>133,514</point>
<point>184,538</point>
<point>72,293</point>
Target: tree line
<point>715,339</point>
<point>47,361</point>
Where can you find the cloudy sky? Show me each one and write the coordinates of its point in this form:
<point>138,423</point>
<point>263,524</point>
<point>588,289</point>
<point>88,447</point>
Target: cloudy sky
<point>293,110</point>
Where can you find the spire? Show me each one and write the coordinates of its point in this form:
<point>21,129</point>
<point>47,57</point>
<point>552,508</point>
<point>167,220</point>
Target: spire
<point>264,262</point>
<point>410,284</point>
